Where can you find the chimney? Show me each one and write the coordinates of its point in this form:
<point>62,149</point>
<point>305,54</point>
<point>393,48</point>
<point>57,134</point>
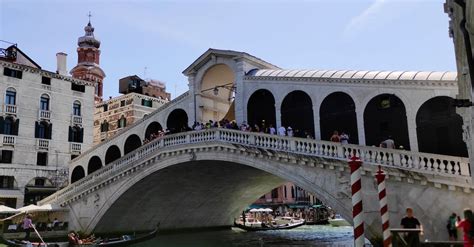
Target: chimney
<point>61,58</point>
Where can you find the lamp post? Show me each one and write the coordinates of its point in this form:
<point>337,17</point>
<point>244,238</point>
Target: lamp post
<point>215,91</point>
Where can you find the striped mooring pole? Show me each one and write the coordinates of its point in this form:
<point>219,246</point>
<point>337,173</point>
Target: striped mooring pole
<point>357,213</point>
<point>380,176</point>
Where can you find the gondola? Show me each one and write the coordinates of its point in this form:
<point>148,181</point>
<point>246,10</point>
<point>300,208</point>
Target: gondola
<point>125,240</point>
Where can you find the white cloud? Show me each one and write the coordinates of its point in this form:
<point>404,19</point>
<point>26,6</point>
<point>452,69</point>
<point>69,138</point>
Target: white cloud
<point>363,19</point>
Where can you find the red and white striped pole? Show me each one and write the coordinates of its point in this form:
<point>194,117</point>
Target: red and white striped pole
<point>357,213</point>
<point>387,240</point>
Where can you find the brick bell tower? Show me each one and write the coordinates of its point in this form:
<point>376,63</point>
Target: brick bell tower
<point>88,55</point>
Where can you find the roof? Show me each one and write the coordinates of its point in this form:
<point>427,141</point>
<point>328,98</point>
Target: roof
<point>359,74</point>
<point>206,56</point>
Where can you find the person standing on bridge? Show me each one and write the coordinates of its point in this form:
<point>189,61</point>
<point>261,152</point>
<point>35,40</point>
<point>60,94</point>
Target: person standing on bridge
<point>410,222</point>
<point>335,137</point>
<point>467,225</point>
<point>388,143</point>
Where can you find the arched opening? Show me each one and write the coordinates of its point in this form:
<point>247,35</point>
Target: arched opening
<point>10,96</point>
<point>44,102</point>
<point>94,164</point>
<point>337,113</point>
<point>216,93</point>
<point>261,106</point>
<point>77,174</point>
<point>385,116</point>
<point>37,189</point>
<point>76,108</point>
<point>153,128</point>
<point>439,128</point>
<point>133,142</point>
<point>177,121</point>
<point>297,112</point>
<point>112,154</point>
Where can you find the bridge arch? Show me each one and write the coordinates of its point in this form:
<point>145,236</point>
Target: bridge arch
<point>385,115</point>
<point>112,154</point>
<point>77,173</point>
<point>94,164</point>
<point>152,128</point>
<point>177,120</point>
<point>338,112</point>
<point>297,112</point>
<point>131,143</point>
<point>439,128</point>
<point>261,106</point>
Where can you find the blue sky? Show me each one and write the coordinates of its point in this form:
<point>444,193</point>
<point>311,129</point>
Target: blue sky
<point>167,36</point>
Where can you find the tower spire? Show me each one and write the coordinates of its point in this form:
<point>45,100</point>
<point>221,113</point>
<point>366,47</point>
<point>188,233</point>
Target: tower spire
<point>89,15</point>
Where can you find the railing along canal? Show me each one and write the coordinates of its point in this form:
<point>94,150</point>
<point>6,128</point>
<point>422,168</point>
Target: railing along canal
<point>440,165</point>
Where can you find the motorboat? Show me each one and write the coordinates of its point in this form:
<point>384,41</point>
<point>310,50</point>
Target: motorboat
<point>337,220</point>
<point>279,223</point>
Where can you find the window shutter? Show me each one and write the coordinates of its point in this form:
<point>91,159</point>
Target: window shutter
<point>2,125</point>
<point>16,126</point>
<point>70,134</point>
<point>36,130</point>
<point>81,135</point>
<point>50,130</point>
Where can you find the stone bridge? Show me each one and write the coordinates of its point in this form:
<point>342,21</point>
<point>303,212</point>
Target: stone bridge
<point>206,178</point>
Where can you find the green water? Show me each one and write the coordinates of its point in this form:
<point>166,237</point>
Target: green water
<point>301,236</point>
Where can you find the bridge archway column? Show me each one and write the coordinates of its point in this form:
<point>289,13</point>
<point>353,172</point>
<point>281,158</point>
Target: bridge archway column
<point>240,105</point>
<point>278,114</point>
<point>360,123</point>
<point>411,122</point>
<point>317,124</point>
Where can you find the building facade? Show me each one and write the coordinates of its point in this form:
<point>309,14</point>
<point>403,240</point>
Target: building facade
<point>288,194</point>
<point>46,120</point>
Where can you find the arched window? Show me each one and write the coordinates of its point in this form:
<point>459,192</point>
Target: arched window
<point>43,130</point>
<point>10,97</point>
<point>76,134</point>
<point>76,108</point>
<point>44,102</point>
<point>8,126</point>
<point>122,122</point>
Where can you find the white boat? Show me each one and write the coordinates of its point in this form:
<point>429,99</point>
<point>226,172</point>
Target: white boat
<point>338,221</point>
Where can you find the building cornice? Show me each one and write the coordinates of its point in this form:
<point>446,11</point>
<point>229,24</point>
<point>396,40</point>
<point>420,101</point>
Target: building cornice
<point>130,95</point>
<point>46,73</point>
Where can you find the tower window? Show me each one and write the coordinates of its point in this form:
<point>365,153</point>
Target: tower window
<point>77,87</point>
<point>45,80</point>
<point>13,73</point>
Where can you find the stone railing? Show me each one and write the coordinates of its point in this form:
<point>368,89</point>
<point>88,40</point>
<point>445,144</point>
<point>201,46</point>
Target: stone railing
<point>8,140</point>
<point>42,144</point>
<point>138,122</point>
<point>44,114</point>
<point>10,109</point>
<point>441,166</point>
<point>76,120</point>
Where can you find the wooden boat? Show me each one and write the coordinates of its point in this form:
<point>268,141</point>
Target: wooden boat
<point>283,223</point>
<point>124,240</point>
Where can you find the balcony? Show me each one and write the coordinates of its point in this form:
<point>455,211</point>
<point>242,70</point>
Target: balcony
<point>42,144</point>
<point>44,115</point>
<point>75,148</point>
<point>9,109</point>
<point>76,120</point>
<point>8,140</point>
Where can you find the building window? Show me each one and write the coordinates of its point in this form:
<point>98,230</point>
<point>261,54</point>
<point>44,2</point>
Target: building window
<point>76,134</point>
<point>104,127</point>
<point>45,80</point>
<point>7,182</point>
<point>286,195</point>
<point>9,126</point>
<point>10,97</point>
<point>43,130</point>
<point>122,103</point>
<point>106,107</point>
<point>275,193</point>
<point>292,192</point>
<point>44,102</point>
<point>76,108</point>
<point>12,73</point>
<point>147,102</point>
<point>78,88</point>
<point>7,156</point>
<point>42,159</point>
<point>122,122</point>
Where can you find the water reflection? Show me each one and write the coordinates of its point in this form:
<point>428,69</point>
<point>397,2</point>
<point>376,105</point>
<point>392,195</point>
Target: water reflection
<point>302,236</point>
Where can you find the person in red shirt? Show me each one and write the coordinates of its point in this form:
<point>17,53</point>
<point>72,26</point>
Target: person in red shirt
<point>467,225</point>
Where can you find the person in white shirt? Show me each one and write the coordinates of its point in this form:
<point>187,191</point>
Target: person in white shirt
<point>344,138</point>
<point>272,130</point>
<point>282,131</point>
<point>289,131</point>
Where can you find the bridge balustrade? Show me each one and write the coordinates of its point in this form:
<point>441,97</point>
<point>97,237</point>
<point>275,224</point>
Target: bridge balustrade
<point>433,164</point>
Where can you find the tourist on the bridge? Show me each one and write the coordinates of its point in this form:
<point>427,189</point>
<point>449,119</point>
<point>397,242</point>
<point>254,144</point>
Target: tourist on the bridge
<point>272,130</point>
<point>263,127</point>
<point>289,131</point>
<point>27,226</point>
<point>282,131</point>
<point>452,230</point>
<point>335,137</point>
<point>410,222</point>
<point>388,143</point>
<point>344,138</point>
<point>467,226</point>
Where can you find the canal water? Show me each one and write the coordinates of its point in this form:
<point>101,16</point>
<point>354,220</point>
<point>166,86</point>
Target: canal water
<point>302,236</point>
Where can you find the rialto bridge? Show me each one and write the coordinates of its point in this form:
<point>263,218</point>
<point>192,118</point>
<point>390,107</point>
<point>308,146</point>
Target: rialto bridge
<point>205,178</point>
